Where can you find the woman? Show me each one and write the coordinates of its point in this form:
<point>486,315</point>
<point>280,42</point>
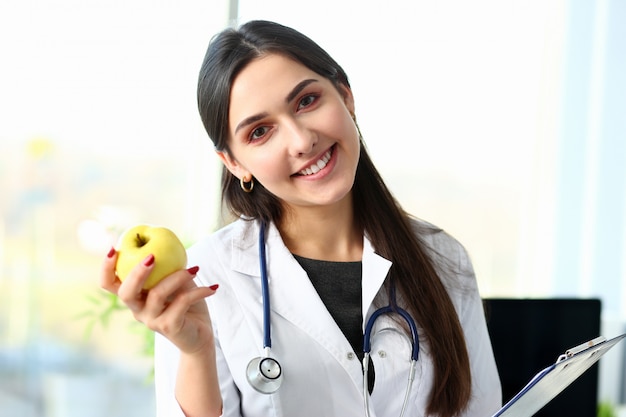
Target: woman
<point>281,114</point>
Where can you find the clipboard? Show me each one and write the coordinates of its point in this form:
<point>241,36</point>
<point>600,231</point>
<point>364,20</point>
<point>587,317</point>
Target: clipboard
<point>549,382</point>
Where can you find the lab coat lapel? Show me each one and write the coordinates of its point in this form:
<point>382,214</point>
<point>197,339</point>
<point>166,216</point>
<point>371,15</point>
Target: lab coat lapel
<point>292,295</point>
<point>297,300</point>
<point>375,269</point>
<point>296,297</point>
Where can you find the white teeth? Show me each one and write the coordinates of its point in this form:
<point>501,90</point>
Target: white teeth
<point>316,167</point>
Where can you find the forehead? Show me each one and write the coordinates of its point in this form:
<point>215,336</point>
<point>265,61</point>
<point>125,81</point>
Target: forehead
<point>267,71</point>
<point>263,82</point>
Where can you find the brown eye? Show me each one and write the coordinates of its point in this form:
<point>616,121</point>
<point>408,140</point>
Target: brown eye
<point>306,101</point>
<point>258,133</point>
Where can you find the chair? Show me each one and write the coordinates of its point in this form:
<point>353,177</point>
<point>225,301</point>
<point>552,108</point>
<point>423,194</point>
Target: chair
<point>528,335</point>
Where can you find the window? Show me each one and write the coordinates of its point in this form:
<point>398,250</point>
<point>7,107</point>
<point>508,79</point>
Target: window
<point>99,131</point>
<point>500,121</point>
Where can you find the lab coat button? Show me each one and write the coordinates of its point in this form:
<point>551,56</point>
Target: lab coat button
<point>382,354</point>
<point>350,356</point>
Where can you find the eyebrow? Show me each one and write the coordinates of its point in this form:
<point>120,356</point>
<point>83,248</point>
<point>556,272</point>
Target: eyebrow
<point>249,120</point>
<point>298,88</point>
<point>292,95</point>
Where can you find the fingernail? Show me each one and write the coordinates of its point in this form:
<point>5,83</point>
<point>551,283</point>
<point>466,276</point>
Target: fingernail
<point>111,253</point>
<point>214,287</point>
<point>193,270</point>
<point>149,260</point>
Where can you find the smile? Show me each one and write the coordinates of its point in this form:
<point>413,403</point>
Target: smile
<point>317,166</point>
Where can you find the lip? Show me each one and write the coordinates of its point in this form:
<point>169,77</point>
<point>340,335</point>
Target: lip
<point>323,171</point>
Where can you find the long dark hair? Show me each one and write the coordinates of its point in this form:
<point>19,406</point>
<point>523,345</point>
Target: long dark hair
<point>375,208</point>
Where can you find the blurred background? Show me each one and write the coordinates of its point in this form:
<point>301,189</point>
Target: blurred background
<point>501,121</point>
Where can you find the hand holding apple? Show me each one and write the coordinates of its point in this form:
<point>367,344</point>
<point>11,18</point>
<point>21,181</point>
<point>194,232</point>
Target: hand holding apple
<point>142,240</point>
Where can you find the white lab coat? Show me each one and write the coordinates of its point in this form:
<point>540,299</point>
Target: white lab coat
<point>322,375</point>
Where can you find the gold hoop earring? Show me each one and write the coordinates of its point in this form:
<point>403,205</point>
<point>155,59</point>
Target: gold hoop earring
<point>246,186</point>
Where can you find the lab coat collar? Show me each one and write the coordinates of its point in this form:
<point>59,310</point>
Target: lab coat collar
<point>245,257</point>
<point>282,265</point>
<point>245,247</point>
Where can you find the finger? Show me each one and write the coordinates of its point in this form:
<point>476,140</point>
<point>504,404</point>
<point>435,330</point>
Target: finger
<point>190,297</point>
<point>160,296</point>
<point>131,290</point>
<point>173,316</point>
<point>108,279</point>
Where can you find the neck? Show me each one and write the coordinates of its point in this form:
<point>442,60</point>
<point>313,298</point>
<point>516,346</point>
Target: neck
<point>326,233</point>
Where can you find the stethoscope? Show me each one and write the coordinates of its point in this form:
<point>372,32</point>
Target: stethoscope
<point>265,374</point>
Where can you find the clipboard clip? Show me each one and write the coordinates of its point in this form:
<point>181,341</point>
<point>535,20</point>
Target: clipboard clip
<point>573,351</point>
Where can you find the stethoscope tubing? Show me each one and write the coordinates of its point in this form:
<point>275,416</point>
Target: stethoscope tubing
<point>265,290</point>
<point>367,336</point>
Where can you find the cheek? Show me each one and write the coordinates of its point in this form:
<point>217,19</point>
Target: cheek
<point>339,123</point>
<point>269,167</point>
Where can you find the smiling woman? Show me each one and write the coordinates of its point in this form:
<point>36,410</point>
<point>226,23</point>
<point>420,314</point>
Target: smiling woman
<point>281,114</point>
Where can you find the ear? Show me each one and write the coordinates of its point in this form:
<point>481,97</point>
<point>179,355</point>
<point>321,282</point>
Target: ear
<point>233,166</point>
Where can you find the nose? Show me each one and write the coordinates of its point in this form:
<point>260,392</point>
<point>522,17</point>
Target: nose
<point>301,138</point>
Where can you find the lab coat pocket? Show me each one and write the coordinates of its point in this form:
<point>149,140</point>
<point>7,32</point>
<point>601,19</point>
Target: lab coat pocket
<point>391,349</point>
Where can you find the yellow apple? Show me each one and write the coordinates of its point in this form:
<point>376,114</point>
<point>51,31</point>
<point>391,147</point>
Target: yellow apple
<point>139,242</point>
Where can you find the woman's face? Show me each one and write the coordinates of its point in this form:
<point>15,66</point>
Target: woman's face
<point>293,131</point>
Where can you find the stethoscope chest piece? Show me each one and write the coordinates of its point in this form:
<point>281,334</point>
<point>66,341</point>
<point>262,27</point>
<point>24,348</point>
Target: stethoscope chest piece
<point>264,374</point>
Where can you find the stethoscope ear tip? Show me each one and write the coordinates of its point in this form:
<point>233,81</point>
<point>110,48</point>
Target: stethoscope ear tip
<point>264,374</point>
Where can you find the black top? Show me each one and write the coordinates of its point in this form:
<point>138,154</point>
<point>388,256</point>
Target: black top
<point>339,286</point>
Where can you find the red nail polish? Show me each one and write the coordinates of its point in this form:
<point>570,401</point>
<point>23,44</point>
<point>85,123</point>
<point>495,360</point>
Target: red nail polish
<point>111,253</point>
<point>214,287</point>
<point>149,260</point>
<point>193,270</point>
